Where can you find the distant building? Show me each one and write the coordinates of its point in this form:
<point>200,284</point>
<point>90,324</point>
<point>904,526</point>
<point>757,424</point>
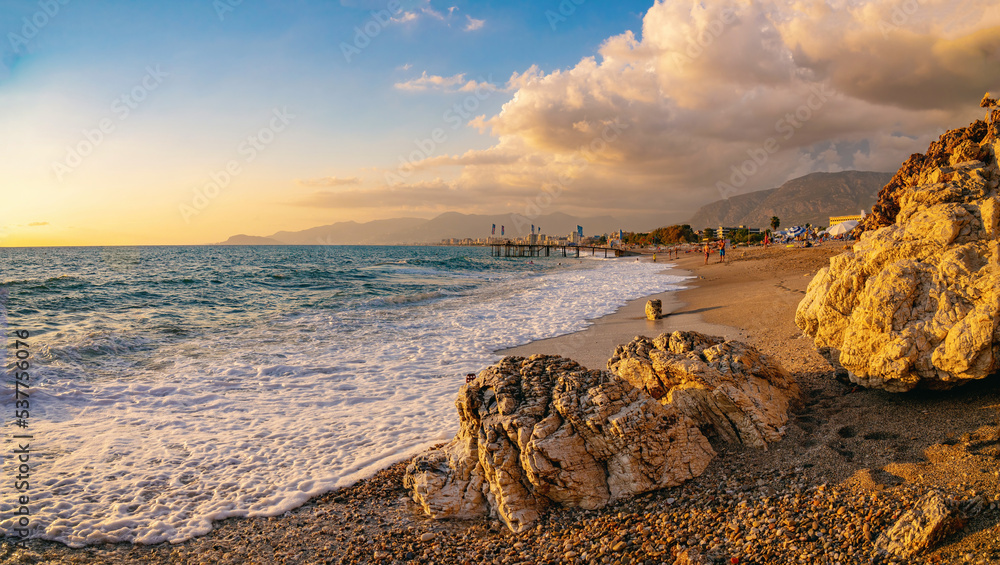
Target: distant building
<point>834,220</point>
<point>725,232</point>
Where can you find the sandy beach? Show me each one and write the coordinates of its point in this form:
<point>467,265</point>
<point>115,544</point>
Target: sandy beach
<point>853,460</point>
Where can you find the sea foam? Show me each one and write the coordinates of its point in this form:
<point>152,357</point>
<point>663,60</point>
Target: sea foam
<point>254,420</point>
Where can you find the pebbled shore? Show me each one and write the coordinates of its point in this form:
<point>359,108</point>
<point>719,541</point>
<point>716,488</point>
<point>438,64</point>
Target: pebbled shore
<point>852,462</point>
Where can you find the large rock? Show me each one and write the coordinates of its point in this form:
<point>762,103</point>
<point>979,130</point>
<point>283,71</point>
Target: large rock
<point>728,388</point>
<point>544,430</point>
<point>916,302</point>
<point>931,519</point>
<point>654,309</point>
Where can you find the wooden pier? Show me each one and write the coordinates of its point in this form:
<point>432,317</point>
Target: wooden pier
<point>539,250</point>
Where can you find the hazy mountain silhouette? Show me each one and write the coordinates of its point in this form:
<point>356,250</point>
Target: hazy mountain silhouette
<point>809,199</point>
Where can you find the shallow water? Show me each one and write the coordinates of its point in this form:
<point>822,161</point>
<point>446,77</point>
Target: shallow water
<point>175,386</point>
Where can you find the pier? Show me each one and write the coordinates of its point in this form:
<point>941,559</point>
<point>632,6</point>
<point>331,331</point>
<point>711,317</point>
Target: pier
<point>540,250</point>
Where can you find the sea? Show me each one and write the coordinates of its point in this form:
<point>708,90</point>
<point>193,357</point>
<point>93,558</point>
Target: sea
<point>170,387</point>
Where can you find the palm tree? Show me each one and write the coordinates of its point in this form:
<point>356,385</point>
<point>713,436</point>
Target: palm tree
<point>775,222</point>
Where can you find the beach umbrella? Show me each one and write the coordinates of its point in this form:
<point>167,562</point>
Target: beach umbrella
<point>795,231</point>
<point>842,227</point>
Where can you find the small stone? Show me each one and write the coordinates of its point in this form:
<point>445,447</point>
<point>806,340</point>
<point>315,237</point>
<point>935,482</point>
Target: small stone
<point>428,536</point>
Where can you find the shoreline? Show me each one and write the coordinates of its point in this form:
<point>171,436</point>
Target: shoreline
<point>592,346</point>
<point>851,462</point>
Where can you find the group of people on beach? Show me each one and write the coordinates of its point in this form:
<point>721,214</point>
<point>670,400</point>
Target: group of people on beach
<point>673,252</point>
<point>721,245</point>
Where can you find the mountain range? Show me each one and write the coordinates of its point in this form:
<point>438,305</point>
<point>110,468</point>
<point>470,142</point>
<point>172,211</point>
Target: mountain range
<point>810,199</point>
<point>419,230</point>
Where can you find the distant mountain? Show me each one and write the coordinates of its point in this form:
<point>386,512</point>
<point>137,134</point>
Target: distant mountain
<point>809,199</point>
<point>350,233</point>
<point>418,230</point>
<point>243,239</point>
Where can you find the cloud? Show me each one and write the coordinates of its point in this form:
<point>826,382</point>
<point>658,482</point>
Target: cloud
<point>473,24</point>
<point>405,67</point>
<point>430,195</point>
<point>454,83</point>
<point>35,224</point>
<point>414,11</point>
<point>405,17</point>
<point>328,181</point>
<point>716,99</point>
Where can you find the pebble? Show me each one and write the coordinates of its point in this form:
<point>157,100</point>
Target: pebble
<point>797,521</point>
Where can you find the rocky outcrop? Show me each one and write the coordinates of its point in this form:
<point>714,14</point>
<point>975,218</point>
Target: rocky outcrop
<point>728,388</point>
<point>917,300</point>
<point>544,430</point>
<point>955,146</point>
<point>654,309</point>
<point>932,519</point>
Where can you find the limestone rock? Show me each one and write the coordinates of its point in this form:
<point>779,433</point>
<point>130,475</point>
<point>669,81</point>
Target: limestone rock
<point>727,387</point>
<point>932,519</point>
<point>654,309</point>
<point>544,430</point>
<point>916,302</point>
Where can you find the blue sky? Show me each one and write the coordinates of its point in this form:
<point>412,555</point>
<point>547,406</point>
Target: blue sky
<point>213,74</point>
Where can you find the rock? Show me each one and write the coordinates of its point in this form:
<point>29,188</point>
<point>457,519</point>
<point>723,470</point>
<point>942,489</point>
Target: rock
<point>917,301</point>
<point>654,309</point>
<point>932,518</point>
<point>427,536</point>
<point>728,388</point>
<point>544,430</point>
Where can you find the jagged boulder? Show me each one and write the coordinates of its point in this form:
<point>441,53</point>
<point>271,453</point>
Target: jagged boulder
<point>932,518</point>
<point>728,388</point>
<point>917,300</point>
<point>544,430</point>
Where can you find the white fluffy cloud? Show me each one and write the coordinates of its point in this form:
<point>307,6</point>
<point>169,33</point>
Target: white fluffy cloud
<point>454,83</point>
<point>714,99</point>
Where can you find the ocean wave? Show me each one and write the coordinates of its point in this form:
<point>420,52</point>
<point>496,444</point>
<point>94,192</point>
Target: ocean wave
<point>271,399</point>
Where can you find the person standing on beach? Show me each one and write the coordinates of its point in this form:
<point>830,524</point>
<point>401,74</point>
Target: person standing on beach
<point>708,251</point>
<point>722,251</point>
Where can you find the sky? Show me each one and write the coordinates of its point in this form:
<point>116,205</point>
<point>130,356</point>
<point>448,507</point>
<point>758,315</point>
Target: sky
<point>188,121</point>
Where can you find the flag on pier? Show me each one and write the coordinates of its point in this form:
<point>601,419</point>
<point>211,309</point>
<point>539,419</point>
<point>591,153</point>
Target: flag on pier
<point>501,230</point>
<point>494,232</point>
<point>532,229</point>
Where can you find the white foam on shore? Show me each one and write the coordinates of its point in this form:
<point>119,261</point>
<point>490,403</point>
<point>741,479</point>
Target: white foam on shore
<point>256,421</point>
